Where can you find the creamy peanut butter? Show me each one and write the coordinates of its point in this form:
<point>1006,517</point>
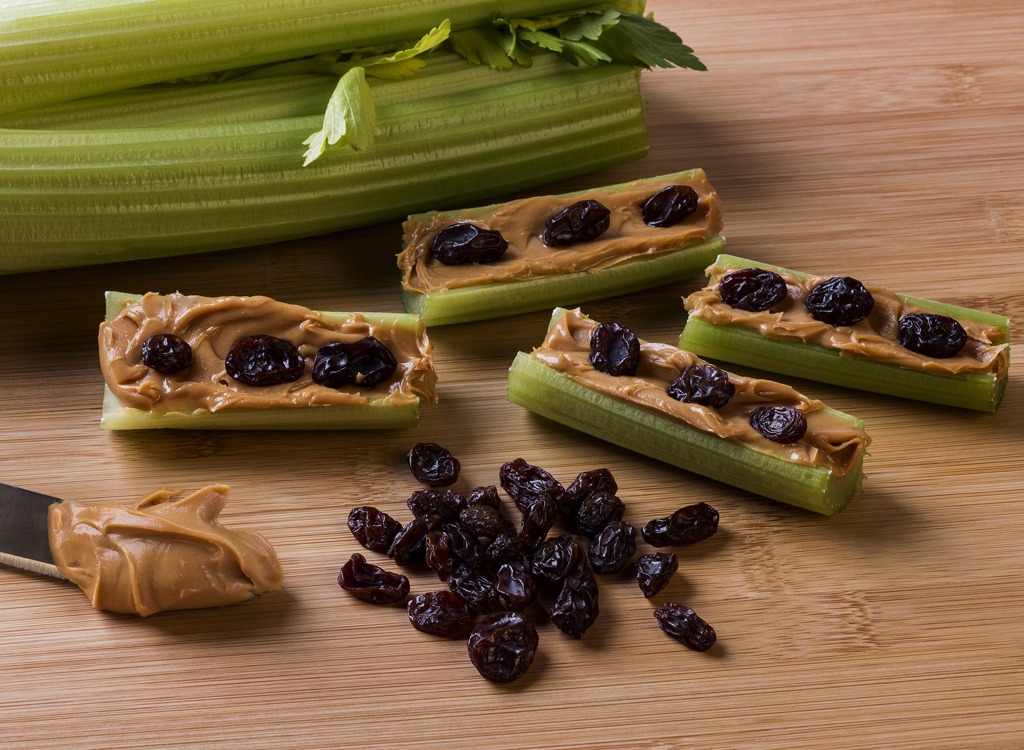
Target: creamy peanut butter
<point>160,554</point>
<point>521,223</point>
<point>874,338</point>
<point>830,442</point>
<point>211,325</point>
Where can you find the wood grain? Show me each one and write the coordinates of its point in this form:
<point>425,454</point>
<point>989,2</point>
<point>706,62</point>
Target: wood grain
<point>882,140</point>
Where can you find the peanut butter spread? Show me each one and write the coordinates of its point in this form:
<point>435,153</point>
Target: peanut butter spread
<point>830,442</point>
<point>521,223</point>
<point>211,325</point>
<point>874,338</point>
<point>160,554</point>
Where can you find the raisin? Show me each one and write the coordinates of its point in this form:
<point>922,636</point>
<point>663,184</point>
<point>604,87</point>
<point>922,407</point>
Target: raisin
<point>556,559</point>
<point>587,483</point>
<point>484,496</point>
<point>687,525</point>
<point>581,222</point>
<point>475,589</point>
<point>752,289</point>
<point>445,504</point>
<point>166,353</point>
<point>780,424</point>
<point>597,511</point>
<point>683,624</point>
<point>702,384</point>
<point>263,360</point>
<point>937,336</point>
<point>502,646</point>
<point>515,586</point>
<point>433,465</point>
<point>363,363</point>
<point>670,205</point>
<point>467,243</point>
<point>576,607</point>
<point>409,544</point>
<point>613,548</point>
<point>440,613</point>
<point>464,544</point>
<point>373,528</point>
<point>371,583</point>
<point>840,301</point>
<point>506,548</point>
<point>438,554</point>
<point>484,521</point>
<point>614,349</point>
<point>654,571</point>
<point>537,522</point>
<point>524,483</point>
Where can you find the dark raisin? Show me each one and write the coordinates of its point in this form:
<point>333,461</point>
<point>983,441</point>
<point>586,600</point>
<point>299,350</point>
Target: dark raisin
<point>484,496</point>
<point>581,222</point>
<point>263,360</point>
<point>587,483</point>
<point>465,546</point>
<point>409,544</point>
<point>840,301</point>
<point>502,646</point>
<point>780,424</point>
<point>433,465</point>
<point>597,511</point>
<point>613,548</point>
<point>687,525</point>
<point>445,504</point>
<point>515,586</point>
<point>166,353</point>
<point>556,559</point>
<point>440,613</point>
<point>576,607</point>
<point>506,548</point>
<point>753,289</point>
<point>683,624</point>
<point>373,528</point>
<point>438,554</point>
<point>363,363</point>
<point>537,522</point>
<point>653,572</point>
<point>936,336</point>
<point>371,583</point>
<point>484,521</point>
<point>702,384</point>
<point>524,483</point>
<point>467,243</point>
<point>670,205</point>
<point>474,588</point>
<point>614,349</point>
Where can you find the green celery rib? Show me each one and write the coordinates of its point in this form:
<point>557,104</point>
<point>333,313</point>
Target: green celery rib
<point>544,391</point>
<point>52,52</point>
<point>494,300</point>
<point>100,196</point>
<point>977,391</point>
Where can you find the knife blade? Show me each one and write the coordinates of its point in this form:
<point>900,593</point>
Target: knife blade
<point>24,530</point>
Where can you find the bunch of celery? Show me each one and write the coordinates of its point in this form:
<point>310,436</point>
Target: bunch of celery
<point>141,128</point>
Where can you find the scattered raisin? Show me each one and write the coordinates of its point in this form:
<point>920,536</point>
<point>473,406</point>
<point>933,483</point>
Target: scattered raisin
<point>433,465</point>
<point>364,363</point>
<point>840,301</point>
<point>587,483</point>
<point>597,511</point>
<point>371,583</point>
<point>264,360</point>
<point>506,548</point>
<point>752,289</point>
<point>465,547</point>
<point>702,384</point>
<point>614,349</point>
<point>484,521</point>
<point>576,607</point>
<point>538,519</point>
<point>166,353</point>
<point>683,624</point>
<point>654,571</point>
<point>440,613</point>
<point>373,528</point>
<point>438,554</point>
<point>670,205</point>
<point>502,646</point>
<point>687,525</point>
<point>467,243</point>
<point>474,588</point>
<point>484,496</point>
<point>937,336</point>
<point>613,548</point>
<point>524,483</point>
<point>445,504</point>
<point>515,586</point>
<point>780,424</point>
<point>556,559</point>
<point>581,222</point>
<point>409,544</point>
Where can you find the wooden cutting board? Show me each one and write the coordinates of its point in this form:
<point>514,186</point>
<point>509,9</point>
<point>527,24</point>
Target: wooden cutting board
<point>880,140</point>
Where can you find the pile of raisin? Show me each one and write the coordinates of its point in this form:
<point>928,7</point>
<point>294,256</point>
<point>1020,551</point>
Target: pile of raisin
<point>496,560</point>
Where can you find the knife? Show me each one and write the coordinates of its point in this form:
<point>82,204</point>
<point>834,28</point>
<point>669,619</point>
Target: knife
<point>24,530</point>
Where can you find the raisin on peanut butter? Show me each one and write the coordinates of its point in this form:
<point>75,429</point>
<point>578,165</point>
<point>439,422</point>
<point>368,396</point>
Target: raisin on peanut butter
<point>581,222</point>
<point>467,243</point>
<point>166,353</point>
<point>364,363</point>
<point>752,289</point>
<point>670,205</point>
<point>263,360</point>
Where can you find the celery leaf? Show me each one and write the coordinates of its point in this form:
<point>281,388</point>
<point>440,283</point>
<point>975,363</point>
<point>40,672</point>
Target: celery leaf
<point>350,117</point>
<point>588,25</point>
<point>482,46</point>
<point>643,42</point>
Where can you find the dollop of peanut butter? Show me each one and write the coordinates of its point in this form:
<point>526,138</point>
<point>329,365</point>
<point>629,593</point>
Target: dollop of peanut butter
<point>521,222</point>
<point>211,325</point>
<point>160,554</point>
<point>831,441</point>
<point>873,338</point>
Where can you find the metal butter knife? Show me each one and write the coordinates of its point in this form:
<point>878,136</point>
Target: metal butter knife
<point>24,530</point>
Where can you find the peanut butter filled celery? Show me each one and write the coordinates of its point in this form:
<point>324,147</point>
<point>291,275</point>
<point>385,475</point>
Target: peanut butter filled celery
<point>233,363</point>
<point>538,252</point>
<point>668,404</point>
<point>838,330</point>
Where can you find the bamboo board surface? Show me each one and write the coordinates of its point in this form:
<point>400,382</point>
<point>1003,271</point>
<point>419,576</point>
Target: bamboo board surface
<point>880,140</point>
